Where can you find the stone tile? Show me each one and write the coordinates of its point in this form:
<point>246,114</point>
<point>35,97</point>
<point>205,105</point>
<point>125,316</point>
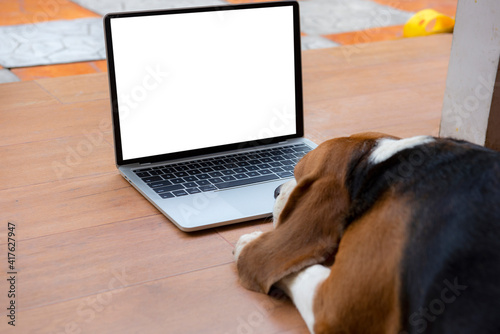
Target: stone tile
<point>7,76</point>
<point>52,42</point>
<point>322,17</point>
<point>447,7</point>
<point>36,11</point>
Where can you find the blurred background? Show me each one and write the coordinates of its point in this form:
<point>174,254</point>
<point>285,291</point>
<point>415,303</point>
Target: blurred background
<point>51,38</point>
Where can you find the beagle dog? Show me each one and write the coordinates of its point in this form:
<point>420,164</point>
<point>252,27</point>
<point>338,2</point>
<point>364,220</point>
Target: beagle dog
<point>378,234</point>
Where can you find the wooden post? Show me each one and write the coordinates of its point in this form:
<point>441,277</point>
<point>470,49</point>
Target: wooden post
<point>471,106</point>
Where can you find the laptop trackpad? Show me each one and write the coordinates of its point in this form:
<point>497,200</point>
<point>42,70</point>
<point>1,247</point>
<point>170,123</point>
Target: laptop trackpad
<point>222,207</point>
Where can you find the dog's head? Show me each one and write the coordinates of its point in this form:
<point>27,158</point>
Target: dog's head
<point>310,211</point>
<point>322,189</point>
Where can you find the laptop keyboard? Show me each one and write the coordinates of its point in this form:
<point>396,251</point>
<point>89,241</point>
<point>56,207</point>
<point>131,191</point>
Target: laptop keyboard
<point>182,179</point>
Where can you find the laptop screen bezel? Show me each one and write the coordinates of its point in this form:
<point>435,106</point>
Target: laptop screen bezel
<point>299,109</point>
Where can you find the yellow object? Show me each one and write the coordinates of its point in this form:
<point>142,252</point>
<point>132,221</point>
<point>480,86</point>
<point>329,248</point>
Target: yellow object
<point>428,22</point>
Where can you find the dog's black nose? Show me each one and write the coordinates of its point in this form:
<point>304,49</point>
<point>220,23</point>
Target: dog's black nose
<point>277,191</point>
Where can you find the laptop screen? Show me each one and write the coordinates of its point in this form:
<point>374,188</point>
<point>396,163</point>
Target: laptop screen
<point>185,81</point>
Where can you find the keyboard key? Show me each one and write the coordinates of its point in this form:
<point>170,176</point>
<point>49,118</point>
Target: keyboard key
<point>156,172</point>
<point>203,182</point>
<point>208,188</point>
<point>168,176</point>
<point>265,171</point>
<point>181,168</point>
<point>277,169</point>
<point>276,164</point>
<point>181,174</point>
<point>143,174</point>
<point>190,178</point>
<point>253,174</point>
<point>216,174</point>
<point>203,176</point>
<point>150,179</point>
<point>168,188</point>
<point>159,184</point>
<point>216,180</point>
<point>166,195</point>
<point>243,182</point>
<point>240,170</point>
<point>252,168</point>
<point>287,162</point>
<point>285,174</point>
<point>264,166</point>
<point>193,190</point>
<point>228,178</point>
<point>177,181</point>
<point>228,172</point>
<point>194,172</point>
<point>240,176</point>
<point>206,170</point>
<point>142,170</point>
<point>218,167</point>
<point>179,193</point>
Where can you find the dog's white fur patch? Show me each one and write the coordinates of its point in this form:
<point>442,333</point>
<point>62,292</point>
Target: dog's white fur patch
<point>387,147</point>
<point>279,203</point>
<point>243,241</point>
<point>301,287</point>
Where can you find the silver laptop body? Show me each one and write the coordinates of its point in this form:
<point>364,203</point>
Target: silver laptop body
<point>207,108</point>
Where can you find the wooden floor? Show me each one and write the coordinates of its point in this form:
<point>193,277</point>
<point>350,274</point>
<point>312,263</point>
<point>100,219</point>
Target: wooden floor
<point>93,256</point>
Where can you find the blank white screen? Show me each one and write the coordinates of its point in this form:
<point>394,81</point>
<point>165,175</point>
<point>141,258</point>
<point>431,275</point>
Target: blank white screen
<point>196,80</point>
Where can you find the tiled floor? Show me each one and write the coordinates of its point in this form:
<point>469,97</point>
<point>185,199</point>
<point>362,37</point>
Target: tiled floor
<point>47,38</point>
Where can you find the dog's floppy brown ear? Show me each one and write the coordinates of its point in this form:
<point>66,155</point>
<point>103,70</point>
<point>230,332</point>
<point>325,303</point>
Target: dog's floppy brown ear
<point>312,222</point>
<point>306,237</point>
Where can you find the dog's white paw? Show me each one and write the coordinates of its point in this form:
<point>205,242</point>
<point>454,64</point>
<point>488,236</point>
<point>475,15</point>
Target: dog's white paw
<point>243,241</point>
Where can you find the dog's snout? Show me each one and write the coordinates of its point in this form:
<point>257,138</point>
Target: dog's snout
<point>277,191</point>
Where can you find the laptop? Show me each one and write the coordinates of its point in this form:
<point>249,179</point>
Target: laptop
<point>207,108</point>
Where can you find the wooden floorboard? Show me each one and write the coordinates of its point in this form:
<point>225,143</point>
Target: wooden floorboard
<point>24,125</point>
<point>94,256</point>
<point>146,248</point>
<point>76,88</point>
<point>203,301</point>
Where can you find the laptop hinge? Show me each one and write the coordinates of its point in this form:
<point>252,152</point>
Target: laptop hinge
<point>144,163</point>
